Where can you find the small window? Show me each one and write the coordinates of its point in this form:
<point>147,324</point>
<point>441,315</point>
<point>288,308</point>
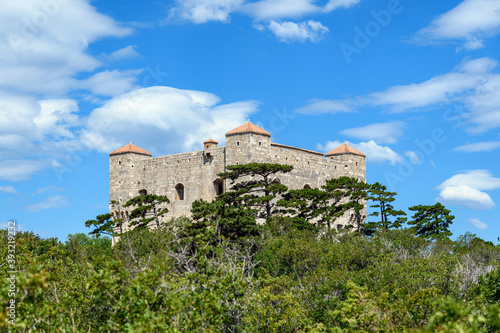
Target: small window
<point>143,192</point>
<point>179,192</point>
<point>276,180</point>
<point>119,162</point>
<point>219,186</point>
<point>260,143</point>
<point>138,183</point>
<point>307,186</point>
<point>237,143</point>
<point>346,166</point>
<point>132,165</point>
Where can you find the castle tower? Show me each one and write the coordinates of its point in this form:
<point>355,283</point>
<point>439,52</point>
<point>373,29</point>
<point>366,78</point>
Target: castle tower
<point>125,181</point>
<point>351,161</point>
<point>247,143</point>
<point>209,147</point>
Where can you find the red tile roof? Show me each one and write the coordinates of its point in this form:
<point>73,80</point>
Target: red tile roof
<point>344,149</point>
<point>210,141</point>
<point>248,127</point>
<point>130,148</point>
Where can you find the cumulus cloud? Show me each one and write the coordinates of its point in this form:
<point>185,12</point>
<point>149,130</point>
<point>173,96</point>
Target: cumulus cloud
<point>479,179</point>
<point>380,133</point>
<point>468,23</point>
<point>478,224</point>
<point>478,147</point>
<point>374,152</point>
<point>463,195</point>
<point>466,189</point>
<point>8,189</point>
<point>112,83</point>
<point>52,202</point>
<point>47,41</point>
<point>273,15</point>
<point>32,53</point>
<point>202,11</point>
<point>318,106</point>
<point>303,31</point>
<point>163,120</point>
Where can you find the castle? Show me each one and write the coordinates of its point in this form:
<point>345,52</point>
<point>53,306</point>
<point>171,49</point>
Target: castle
<point>186,177</point>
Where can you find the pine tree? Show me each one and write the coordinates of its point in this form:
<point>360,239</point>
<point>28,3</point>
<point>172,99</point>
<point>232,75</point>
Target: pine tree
<point>431,222</point>
<point>383,201</point>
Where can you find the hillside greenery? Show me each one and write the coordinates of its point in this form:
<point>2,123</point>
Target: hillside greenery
<point>220,271</point>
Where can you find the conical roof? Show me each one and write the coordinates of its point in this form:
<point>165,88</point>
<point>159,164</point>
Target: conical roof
<point>248,127</point>
<point>344,149</point>
<point>210,141</point>
<point>130,148</point>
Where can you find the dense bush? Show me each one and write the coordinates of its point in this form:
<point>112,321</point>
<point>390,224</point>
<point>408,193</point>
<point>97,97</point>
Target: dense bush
<point>286,279</point>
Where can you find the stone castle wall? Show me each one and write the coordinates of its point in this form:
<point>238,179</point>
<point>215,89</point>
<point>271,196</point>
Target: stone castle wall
<point>197,171</point>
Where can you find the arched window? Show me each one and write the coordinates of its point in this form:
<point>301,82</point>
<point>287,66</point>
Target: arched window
<point>276,180</point>
<point>179,192</point>
<point>307,186</point>
<point>143,192</point>
<point>219,186</point>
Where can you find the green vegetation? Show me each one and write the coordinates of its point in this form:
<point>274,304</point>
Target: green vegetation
<point>222,272</point>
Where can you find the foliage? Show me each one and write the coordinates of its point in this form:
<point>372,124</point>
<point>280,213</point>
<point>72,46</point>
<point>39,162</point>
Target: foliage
<point>431,221</point>
<point>221,272</point>
<point>382,199</point>
<point>259,187</point>
<point>345,194</point>
<point>147,205</point>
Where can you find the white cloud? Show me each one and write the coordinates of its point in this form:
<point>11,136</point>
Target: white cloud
<point>112,83</point>
<point>374,152</point>
<point>466,189</point>
<point>8,189</point>
<point>468,22</point>
<point>381,132</point>
<point>413,157</point>
<point>49,44</point>
<point>202,11</point>
<point>52,202</point>
<point>318,106</point>
<point>183,119</point>
<point>303,31</point>
<point>15,170</point>
<point>335,4</point>
<point>478,179</point>
<point>463,195</point>
<point>478,147</point>
<point>478,224</point>
<point>128,52</point>
<point>440,89</point>
<point>51,188</point>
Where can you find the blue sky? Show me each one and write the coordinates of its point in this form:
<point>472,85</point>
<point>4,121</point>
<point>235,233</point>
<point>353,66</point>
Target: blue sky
<point>415,85</point>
